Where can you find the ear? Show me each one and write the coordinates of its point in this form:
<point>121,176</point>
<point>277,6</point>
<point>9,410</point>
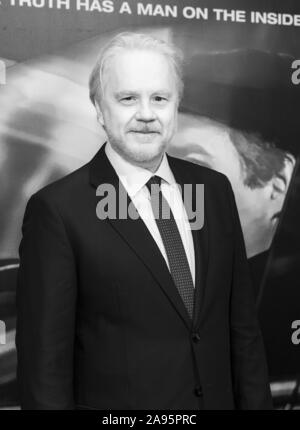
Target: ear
<point>281,181</point>
<point>99,113</point>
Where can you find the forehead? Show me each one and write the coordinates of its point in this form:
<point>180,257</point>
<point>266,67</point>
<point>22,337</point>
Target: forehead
<point>140,71</point>
<point>203,133</point>
<point>206,142</point>
<point>202,139</point>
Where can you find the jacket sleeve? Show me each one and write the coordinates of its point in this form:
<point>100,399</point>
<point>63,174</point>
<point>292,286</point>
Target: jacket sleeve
<point>46,302</point>
<point>249,368</point>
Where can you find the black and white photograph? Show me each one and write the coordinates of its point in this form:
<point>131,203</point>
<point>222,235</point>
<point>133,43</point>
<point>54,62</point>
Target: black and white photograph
<point>150,204</point>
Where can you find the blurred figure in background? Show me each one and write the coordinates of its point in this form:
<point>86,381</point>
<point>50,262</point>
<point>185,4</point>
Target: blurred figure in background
<point>259,172</point>
<point>239,116</point>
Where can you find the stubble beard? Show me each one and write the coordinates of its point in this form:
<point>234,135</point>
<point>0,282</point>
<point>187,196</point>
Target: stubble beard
<point>139,154</point>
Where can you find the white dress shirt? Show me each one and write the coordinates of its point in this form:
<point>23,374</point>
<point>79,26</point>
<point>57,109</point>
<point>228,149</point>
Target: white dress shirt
<point>134,179</point>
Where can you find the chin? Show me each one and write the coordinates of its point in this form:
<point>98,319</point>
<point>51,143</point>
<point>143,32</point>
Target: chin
<point>146,152</point>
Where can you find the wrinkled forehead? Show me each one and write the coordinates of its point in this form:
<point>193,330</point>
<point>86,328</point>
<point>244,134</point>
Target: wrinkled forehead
<point>138,70</point>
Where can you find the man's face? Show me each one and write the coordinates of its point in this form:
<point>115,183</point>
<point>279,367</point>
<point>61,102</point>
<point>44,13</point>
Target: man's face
<point>207,144</point>
<point>139,105</point>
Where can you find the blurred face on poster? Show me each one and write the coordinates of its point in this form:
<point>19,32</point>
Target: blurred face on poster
<point>259,177</point>
<point>138,106</point>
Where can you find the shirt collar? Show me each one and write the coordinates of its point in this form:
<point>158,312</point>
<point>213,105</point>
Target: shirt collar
<point>134,177</point>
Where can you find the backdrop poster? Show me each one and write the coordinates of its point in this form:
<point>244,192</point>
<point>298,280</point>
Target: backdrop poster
<point>239,115</point>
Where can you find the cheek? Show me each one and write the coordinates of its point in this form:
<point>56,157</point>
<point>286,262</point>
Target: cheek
<point>253,202</point>
<point>228,161</point>
<point>169,119</point>
<point>118,117</point>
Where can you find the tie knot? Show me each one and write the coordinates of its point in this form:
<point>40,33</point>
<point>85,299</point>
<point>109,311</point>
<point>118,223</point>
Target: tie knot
<point>154,180</point>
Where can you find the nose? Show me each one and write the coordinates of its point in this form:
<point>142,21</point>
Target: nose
<point>145,112</point>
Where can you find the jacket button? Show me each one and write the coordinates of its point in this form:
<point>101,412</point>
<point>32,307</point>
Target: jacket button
<point>195,337</point>
<point>198,391</point>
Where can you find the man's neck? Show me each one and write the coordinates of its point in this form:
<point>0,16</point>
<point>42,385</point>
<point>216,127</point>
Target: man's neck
<point>153,165</point>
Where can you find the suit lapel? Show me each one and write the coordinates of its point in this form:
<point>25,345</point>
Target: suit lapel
<point>137,235</point>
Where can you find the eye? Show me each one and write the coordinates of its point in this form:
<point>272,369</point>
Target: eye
<point>279,184</point>
<point>128,100</point>
<point>160,99</point>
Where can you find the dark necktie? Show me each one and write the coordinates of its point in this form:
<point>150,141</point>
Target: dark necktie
<point>178,262</point>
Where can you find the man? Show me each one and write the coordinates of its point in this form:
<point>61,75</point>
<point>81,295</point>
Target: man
<point>239,117</point>
<point>259,172</point>
<point>146,312</point>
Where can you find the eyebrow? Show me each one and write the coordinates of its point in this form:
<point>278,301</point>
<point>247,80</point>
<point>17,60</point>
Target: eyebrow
<point>121,94</point>
<point>194,147</point>
<point>163,93</point>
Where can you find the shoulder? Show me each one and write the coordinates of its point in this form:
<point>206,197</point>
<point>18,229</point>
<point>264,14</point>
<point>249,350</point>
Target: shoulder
<point>197,171</point>
<point>64,190</point>
<point>218,193</point>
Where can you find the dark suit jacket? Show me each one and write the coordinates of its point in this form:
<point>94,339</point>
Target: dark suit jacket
<point>100,322</point>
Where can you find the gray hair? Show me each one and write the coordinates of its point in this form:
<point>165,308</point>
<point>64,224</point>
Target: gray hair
<point>131,40</point>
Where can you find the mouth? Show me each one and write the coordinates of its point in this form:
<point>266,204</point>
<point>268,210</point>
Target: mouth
<point>144,136</point>
<point>144,131</point>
